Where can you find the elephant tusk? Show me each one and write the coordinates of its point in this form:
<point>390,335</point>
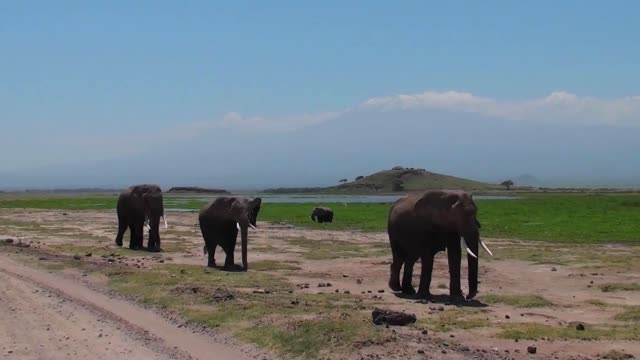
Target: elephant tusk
<point>238,226</point>
<point>147,226</point>
<point>464,244</point>
<point>486,248</point>
<point>165,222</point>
<point>253,227</point>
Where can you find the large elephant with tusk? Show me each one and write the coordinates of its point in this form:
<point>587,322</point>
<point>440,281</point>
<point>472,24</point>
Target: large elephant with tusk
<point>220,222</point>
<point>140,206</point>
<point>420,225</point>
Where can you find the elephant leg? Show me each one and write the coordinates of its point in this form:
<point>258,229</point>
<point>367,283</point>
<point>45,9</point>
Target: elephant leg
<point>122,228</point>
<point>211,250</point>
<point>454,256</point>
<point>229,249</point>
<point>407,287</point>
<point>425,276</point>
<point>137,234</point>
<point>132,237</point>
<point>396,265</point>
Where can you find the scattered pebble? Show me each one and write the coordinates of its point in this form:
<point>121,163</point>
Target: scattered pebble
<point>532,349</point>
<point>580,327</point>
<point>554,269</point>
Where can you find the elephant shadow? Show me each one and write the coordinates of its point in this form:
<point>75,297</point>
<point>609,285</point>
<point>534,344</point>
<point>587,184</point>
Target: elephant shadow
<point>234,268</point>
<point>442,299</point>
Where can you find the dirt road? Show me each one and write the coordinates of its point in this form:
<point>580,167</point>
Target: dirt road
<point>44,316</point>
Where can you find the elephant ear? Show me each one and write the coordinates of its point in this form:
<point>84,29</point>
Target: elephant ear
<point>256,202</point>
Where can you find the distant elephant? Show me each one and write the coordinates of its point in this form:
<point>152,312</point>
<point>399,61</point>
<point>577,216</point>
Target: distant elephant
<point>220,222</point>
<point>138,206</point>
<point>420,225</point>
<point>322,215</point>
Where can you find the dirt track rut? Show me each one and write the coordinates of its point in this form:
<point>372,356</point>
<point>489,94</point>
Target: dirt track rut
<point>44,316</point>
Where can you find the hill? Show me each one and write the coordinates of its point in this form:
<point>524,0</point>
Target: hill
<point>410,179</point>
<point>192,189</point>
<point>398,179</point>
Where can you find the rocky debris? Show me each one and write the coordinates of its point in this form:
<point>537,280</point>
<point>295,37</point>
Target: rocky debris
<point>77,257</point>
<point>20,244</point>
<point>390,317</point>
<point>532,349</point>
<point>507,317</point>
<point>580,327</point>
<point>88,254</point>
<point>616,355</point>
<point>262,291</point>
<point>380,291</point>
<point>554,269</point>
<point>8,241</point>
<point>221,295</point>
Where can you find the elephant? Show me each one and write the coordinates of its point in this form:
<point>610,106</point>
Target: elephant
<point>420,225</point>
<point>139,206</point>
<point>322,214</point>
<point>220,222</point>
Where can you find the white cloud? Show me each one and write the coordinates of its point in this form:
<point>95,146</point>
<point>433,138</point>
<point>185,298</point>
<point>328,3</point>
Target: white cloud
<point>557,107</point>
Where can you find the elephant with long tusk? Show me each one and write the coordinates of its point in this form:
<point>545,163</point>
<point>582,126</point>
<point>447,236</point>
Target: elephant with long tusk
<point>420,225</point>
<point>220,223</point>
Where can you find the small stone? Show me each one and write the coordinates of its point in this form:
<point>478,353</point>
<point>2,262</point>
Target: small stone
<point>441,308</point>
<point>580,327</point>
<point>358,281</point>
<point>337,290</point>
<point>8,241</point>
<point>420,351</point>
<point>347,292</point>
<point>77,257</point>
<point>380,291</point>
<point>425,332</point>
<point>328,285</point>
<point>322,285</point>
<point>42,258</point>
<point>369,291</point>
<point>88,254</point>
<point>345,275</point>
<point>507,317</point>
<point>444,351</point>
<point>532,349</point>
<point>554,269</point>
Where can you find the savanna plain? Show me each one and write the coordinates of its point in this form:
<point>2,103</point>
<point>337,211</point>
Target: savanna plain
<point>564,282</point>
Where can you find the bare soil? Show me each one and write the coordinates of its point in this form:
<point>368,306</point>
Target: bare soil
<point>50,315</point>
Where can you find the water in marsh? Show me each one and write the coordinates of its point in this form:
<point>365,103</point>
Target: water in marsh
<point>173,203</point>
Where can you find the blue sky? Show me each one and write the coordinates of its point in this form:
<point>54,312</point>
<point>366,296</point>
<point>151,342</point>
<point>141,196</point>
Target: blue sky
<point>250,94</point>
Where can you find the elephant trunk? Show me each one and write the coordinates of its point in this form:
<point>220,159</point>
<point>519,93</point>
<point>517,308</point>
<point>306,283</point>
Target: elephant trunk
<point>244,229</point>
<point>472,242</point>
<point>154,233</point>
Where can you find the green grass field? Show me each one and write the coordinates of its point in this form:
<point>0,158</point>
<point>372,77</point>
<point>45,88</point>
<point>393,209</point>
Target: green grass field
<point>560,218</point>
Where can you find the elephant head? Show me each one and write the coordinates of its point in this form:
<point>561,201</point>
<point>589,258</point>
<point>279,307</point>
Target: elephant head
<point>245,213</point>
<point>456,212</point>
<point>149,199</point>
